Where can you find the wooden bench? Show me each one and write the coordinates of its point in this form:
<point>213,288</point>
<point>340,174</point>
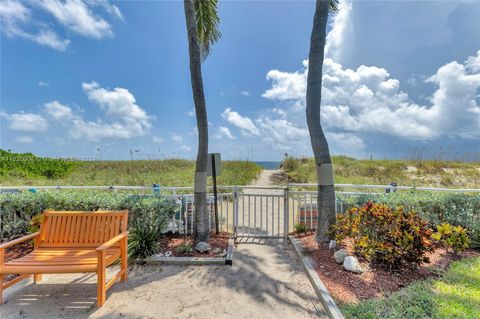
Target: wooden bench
<point>72,242</point>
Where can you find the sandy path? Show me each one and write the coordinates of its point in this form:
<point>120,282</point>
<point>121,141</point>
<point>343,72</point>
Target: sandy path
<point>264,179</point>
<point>266,281</point>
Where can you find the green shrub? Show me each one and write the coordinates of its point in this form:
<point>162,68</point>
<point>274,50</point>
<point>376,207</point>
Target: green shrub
<point>184,248</point>
<point>475,239</point>
<point>300,228</point>
<point>389,237</point>
<point>18,209</point>
<point>35,223</point>
<point>435,207</point>
<point>289,164</point>
<point>452,237</point>
<point>28,165</point>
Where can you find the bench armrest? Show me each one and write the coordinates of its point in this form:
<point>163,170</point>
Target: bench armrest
<point>18,240</point>
<point>112,241</point>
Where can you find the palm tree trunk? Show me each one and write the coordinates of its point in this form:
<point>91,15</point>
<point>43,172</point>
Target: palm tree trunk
<point>200,187</point>
<point>323,162</point>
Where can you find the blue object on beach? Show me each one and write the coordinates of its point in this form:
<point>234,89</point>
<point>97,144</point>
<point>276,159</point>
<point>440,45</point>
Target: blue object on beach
<point>156,189</point>
<point>32,190</point>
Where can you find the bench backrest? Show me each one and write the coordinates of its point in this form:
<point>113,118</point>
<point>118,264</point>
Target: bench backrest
<point>80,228</point>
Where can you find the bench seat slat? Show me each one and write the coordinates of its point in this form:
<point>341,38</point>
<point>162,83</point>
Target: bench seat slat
<point>45,257</point>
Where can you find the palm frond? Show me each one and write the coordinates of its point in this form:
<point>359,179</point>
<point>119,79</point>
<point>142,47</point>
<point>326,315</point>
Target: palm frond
<point>333,5</point>
<point>207,24</point>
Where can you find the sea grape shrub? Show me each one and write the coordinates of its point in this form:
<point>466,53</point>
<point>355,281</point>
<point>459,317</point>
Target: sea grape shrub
<point>18,210</point>
<point>35,223</point>
<point>452,237</point>
<point>385,236</point>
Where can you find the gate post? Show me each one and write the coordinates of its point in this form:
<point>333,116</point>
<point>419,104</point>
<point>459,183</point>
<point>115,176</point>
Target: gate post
<point>235,211</point>
<point>286,218</point>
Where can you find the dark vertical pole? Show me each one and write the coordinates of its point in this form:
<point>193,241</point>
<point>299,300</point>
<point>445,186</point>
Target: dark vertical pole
<point>214,173</point>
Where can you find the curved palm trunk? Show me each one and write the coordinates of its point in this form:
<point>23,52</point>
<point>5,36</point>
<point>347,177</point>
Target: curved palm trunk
<point>325,189</point>
<point>200,187</point>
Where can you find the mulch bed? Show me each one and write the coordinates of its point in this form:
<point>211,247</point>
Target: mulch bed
<point>348,287</point>
<point>170,242</point>
<point>15,252</point>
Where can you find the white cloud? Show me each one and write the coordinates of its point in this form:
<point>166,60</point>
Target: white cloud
<point>24,140</point>
<point>124,119</point>
<point>245,93</point>
<point>59,111</point>
<point>75,15</point>
<point>14,16</point>
<point>367,100</point>
<point>176,138</point>
<point>119,105</point>
<point>48,38</point>
<point>185,148</point>
<point>23,20</point>
<point>282,134</point>
<point>110,8</point>
<point>245,124</point>
<point>43,84</point>
<point>341,31</point>
<point>224,132</point>
<point>157,139</point>
<point>191,113</point>
<point>26,122</point>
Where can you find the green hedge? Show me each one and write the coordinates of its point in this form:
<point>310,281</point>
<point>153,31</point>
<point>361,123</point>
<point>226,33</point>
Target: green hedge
<point>436,207</point>
<point>17,209</point>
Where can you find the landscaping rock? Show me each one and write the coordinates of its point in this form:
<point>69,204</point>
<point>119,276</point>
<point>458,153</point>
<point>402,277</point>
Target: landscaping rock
<point>332,244</point>
<point>168,254</point>
<point>202,247</point>
<point>351,264</point>
<point>217,250</point>
<point>340,255</point>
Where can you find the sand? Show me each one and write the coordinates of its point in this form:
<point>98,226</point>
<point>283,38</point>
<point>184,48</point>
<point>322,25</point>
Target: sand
<point>266,281</point>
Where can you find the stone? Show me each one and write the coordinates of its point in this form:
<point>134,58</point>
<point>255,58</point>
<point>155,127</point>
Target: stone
<point>340,255</point>
<point>168,253</point>
<point>351,264</point>
<point>202,247</point>
<point>217,250</point>
<point>332,244</point>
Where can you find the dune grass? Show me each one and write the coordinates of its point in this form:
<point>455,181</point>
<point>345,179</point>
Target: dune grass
<point>456,294</point>
<point>169,172</point>
<point>348,170</point>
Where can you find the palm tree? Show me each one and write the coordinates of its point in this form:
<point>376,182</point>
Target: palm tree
<point>321,152</point>
<point>202,30</point>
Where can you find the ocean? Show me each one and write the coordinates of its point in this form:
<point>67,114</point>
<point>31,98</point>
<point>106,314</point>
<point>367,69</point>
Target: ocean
<point>268,164</point>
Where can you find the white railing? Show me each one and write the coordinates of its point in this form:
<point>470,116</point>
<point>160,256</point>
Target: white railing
<point>252,211</point>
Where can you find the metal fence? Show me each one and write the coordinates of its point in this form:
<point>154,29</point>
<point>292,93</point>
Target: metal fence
<point>250,211</point>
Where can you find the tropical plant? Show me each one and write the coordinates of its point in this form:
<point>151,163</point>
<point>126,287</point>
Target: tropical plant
<point>321,152</point>
<point>389,237</point>
<point>143,238</point>
<point>452,237</point>
<point>202,30</point>
<point>184,248</point>
<point>300,228</point>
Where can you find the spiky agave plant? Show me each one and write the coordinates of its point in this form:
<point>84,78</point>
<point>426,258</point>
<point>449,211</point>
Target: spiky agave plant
<point>143,237</point>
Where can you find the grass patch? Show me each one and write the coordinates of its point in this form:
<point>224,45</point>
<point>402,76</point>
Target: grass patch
<point>27,169</point>
<point>348,170</point>
<point>456,294</point>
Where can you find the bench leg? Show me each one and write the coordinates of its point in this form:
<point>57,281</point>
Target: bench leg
<point>1,289</point>
<point>101,278</point>
<point>124,258</point>
<point>37,278</point>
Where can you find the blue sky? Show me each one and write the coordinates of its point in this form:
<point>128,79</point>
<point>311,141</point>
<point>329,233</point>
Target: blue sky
<point>101,78</point>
